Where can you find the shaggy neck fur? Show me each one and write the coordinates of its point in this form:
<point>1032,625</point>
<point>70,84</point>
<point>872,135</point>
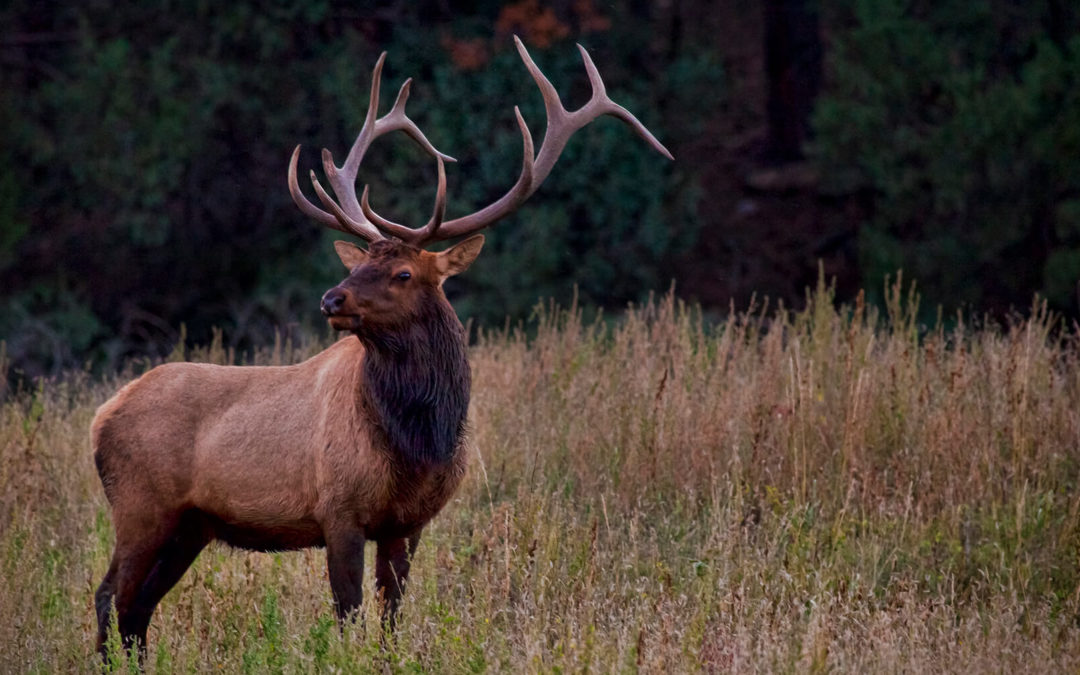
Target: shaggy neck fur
<point>418,383</point>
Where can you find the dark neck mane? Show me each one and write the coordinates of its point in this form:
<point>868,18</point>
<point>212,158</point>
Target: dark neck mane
<point>417,385</point>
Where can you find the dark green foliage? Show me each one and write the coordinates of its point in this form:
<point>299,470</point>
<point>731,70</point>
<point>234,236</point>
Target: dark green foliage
<point>147,157</point>
<point>961,123</point>
<point>144,162</point>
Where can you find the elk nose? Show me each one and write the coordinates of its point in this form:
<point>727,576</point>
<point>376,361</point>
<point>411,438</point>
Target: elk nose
<point>332,301</point>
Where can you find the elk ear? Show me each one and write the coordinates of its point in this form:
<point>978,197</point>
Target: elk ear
<point>351,255</point>
<point>458,257</point>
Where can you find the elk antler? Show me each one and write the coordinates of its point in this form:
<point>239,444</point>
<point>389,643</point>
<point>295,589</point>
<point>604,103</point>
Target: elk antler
<point>562,124</point>
<point>346,214</point>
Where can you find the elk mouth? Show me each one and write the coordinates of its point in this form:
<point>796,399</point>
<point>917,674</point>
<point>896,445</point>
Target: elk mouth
<point>350,322</point>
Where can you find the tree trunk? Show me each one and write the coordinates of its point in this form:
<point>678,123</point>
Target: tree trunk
<point>793,57</point>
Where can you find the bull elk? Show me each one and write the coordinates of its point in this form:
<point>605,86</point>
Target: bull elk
<point>363,442</point>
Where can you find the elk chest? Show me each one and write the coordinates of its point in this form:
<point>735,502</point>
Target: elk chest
<point>415,494</point>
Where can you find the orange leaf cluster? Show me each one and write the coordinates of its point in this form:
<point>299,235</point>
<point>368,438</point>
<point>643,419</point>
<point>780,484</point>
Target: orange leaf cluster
<point>589,19</point>
<point>537,25</point>
<point>466,54</point>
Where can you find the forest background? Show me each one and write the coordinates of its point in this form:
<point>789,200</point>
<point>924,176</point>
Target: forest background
<point>145,145</point>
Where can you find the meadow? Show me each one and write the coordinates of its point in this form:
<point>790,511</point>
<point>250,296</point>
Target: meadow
<point>833,489</point>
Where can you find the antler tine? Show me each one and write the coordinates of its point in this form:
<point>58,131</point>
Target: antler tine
<point>561,125</point>
<point>302,202</point>
<point>439,212</point>
<point>342,220</point>
<point>343,180</point>
<point>346,215</point>
<point>415,236</point>
<point>612,108</point>
<point>460,226</point>
<point>367,132</point>
<point>397,119</point>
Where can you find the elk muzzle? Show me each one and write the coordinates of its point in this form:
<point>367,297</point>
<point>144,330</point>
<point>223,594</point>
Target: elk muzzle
<point>339,307</point>
<point>332,301</point>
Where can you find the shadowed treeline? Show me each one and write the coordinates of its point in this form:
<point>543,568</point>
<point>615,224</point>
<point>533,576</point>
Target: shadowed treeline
<point>142,167</point>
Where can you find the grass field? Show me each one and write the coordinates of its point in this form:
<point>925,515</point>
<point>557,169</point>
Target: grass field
<point>782,492</point>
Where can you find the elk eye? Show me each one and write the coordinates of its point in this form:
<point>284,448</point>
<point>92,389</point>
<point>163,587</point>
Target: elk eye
<point>404,276</point>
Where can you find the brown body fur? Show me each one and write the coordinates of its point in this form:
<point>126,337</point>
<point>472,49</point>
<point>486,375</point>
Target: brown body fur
<point>362,442</point>
<point>196,436</point>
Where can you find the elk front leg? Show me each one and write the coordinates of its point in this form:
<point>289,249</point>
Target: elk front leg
<point>345,562</point>
<point>392,561</point>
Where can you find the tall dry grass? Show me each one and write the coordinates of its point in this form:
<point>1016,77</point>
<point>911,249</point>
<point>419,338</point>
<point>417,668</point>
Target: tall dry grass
<point>784,491</point>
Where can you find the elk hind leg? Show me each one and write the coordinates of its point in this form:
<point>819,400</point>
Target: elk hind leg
<point>103,600</point>
<point>172,560</point>
<point>141,538</point>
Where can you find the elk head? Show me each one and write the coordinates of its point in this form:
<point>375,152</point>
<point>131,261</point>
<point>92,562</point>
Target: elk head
<point>388,284</point>
<point>391,283</point>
